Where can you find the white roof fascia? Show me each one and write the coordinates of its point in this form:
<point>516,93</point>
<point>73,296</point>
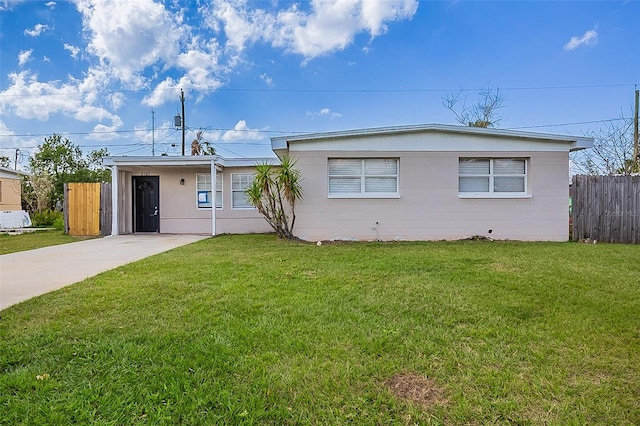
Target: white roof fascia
<point>282,142</point>
<point>196,160</point>
<point>249,162</point>
<point>582,143</point>
<point>8,171</point>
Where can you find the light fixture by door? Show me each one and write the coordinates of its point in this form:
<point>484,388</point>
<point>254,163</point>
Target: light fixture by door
<point>181,181</point>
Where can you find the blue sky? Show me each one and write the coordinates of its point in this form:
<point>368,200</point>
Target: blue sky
<point>93,70</point>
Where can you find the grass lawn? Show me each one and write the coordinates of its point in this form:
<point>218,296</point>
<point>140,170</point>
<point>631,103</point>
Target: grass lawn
<point>252,330</point>
<point>34,240</point>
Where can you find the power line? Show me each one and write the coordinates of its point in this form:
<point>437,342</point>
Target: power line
<point>610,120</point>
<point>221,144</point>
<point>98,132</point>
<point>363,90</point>
<point>287,132</point>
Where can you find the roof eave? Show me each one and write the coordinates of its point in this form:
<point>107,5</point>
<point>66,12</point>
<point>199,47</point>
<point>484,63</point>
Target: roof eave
<point>281,142</point>
<point>581,143</point>
<point>200,160</point>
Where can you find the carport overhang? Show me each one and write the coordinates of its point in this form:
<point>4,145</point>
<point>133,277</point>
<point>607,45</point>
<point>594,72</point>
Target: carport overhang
<point>214,162</point>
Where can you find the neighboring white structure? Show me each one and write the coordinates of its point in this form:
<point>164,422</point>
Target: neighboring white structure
<point>11,214</point>
<point>10,189</point>
<point>424,182</point>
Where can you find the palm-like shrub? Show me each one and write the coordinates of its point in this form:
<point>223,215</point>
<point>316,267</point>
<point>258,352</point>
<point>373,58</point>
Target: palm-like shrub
<point>274,192</point>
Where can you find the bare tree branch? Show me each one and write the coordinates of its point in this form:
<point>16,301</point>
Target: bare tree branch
<point>612,152</point>
<point>484,113</point>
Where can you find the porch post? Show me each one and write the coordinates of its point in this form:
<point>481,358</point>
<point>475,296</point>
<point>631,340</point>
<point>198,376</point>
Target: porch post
<point>213,197</point>
<point>115,225</point>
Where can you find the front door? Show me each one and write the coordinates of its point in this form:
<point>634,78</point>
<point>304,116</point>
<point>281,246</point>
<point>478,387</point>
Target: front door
<point>146,195</point>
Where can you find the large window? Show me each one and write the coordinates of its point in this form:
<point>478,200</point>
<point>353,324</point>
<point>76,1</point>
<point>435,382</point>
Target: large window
<point>203,189</point>
<point>493,176</point>
<point>239,183</point>
<point>368,177</point>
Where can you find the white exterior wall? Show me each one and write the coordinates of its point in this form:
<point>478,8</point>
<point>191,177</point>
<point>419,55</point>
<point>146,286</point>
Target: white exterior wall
<point>429,207</point>
<point>178,208</point>
<point>238,221</point>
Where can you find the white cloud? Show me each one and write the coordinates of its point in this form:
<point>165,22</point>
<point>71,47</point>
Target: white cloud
<point>324,112</point>
<point>242,26</point>
<point>163,92</point>
<point>202,69</point>
<point>50,4</point>
<point>8,139</point>
<point>330,25</point>
<point>268,80</point>
<point>102,132</point>
<point>22,143</point>
<point>241,132</point>
<point>589,38</point>
<point>24,56</point>
<point>131,36</point>
<point>28,98</point>
<point>73,49</point>
<point>162,132</point>
<point>37,30</point>
<point>116,99</point>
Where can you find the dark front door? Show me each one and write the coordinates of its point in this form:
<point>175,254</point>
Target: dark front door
<point>146,202</point>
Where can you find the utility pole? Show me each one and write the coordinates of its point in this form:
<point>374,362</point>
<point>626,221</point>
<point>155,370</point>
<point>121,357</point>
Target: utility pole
<point>636,146</point>
<point>153,132</point>
<point>183,119</point>
<point>15,163</point>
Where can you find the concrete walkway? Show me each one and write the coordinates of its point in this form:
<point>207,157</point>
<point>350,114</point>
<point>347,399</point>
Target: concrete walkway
<point>27,274</point>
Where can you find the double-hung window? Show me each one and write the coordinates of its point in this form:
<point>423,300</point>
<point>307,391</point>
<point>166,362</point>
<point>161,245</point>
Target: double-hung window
<point>363,177</point>
<point>239,183</point>
<point>498,177</point>
<point>203,190</point>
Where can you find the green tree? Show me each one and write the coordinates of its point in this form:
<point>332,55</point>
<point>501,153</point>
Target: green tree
<point>59,158</point>
<point>5,161</point>
<point>274,192</point>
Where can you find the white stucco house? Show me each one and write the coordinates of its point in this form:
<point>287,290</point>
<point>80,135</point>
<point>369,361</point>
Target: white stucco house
<point>421,182</point>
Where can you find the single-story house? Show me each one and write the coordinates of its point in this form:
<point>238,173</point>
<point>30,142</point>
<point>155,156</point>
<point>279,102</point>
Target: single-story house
<point>10,189</point>
<point>421,182</point>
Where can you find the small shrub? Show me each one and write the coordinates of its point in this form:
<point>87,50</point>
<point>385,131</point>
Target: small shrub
<point>48,218</point>
<point>58,223</point>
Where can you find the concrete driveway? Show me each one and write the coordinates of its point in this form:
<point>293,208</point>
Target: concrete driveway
<point>27,274</point>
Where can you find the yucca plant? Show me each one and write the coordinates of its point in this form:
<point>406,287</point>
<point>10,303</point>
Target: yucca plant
<point>274,192</point>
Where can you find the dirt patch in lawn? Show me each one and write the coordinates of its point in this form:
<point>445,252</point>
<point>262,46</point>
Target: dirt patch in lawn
<point>417,389</point>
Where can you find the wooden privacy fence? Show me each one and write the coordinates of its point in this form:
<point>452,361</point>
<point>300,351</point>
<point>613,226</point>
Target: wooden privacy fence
<point>606,208</point>
<point>87,208</point>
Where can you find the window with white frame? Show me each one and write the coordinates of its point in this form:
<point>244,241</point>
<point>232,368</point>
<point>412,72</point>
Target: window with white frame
<point>203,190</point>
<point>239,183</point>
<point>364,177</point>
<point>493,176</point>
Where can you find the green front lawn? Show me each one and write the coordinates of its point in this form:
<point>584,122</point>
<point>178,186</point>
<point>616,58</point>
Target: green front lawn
<point>33,240</point>
<point>252,330</point>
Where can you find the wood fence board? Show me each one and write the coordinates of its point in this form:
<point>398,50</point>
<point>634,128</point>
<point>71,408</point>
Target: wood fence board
<point>606,208</point>
<point>83,208</point>
<point>105,209</point>
<point>65,207</point>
